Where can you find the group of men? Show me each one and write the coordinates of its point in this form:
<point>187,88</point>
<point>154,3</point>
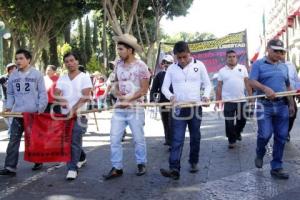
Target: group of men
<point>179,82</point>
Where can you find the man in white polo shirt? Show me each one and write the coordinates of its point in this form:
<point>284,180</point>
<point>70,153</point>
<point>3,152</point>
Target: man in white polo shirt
<point>186,77</point>
<point>232,84</point>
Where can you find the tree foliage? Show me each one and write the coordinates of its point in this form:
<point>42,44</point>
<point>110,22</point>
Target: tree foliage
<point>36,18</point>
<point>188,37</point>
<point>88,40</point>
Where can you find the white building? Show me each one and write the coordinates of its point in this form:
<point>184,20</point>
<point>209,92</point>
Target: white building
<point>283,22</point>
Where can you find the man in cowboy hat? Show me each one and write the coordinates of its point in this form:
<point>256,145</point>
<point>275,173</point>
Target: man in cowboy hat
<point>268,76</point>
<point>132,79</point>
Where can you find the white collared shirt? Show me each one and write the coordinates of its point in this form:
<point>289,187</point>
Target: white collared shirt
<point>187,82</point>
<point>293,75</point>
<point>233,80</point>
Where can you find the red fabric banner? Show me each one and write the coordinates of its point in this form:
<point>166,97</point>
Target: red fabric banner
<point>46,139</point>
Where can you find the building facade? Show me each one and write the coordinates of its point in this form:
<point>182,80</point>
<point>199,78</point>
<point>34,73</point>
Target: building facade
<point>283,22</point>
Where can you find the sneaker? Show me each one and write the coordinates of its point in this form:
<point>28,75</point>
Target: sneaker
<point>72,175</point>
<point>194,168</point>
<point>231,145</point>
<point>141,169</point>
<point>279,173</point>
<point>172,173</point>
<point>258,162</point>
<point>37,166</point>
<point>80,164</point>
<point>6,172</point>
<point>113,173</point>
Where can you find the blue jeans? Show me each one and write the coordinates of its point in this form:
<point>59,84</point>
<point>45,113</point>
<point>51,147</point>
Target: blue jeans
<point>80,126</point>
<point>272,117</point>
<point>181,118</point>
<point>135,118</point>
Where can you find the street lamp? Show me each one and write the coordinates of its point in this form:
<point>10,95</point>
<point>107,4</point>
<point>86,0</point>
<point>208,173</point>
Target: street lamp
<point>3,35</point>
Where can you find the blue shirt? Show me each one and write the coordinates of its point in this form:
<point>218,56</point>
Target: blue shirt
<point>274,76</point>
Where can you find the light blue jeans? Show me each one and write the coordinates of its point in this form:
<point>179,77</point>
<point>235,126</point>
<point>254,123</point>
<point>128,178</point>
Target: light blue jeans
<point>135,118</point>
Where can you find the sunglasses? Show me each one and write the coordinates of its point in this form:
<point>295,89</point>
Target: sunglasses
<point>168,63</point>
<point>279,51</point>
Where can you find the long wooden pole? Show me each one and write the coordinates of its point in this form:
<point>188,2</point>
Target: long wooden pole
<point>169,104</point>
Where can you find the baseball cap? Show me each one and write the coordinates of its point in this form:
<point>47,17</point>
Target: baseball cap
<point>276,44</point>
<point>10,65</point>
<point>168,58</point>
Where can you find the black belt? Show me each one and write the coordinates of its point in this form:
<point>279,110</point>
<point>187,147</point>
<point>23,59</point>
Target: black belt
<point>272,100</point>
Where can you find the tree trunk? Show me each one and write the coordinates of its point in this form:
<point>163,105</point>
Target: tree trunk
<point>53,49</point>
<point>150,56</point>
<point>67,33</point>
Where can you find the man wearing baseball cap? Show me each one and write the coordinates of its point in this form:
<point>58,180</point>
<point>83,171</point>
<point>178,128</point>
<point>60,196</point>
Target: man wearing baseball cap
<point>10,68</point>
<point>269,76</point>
<point>157,96</point>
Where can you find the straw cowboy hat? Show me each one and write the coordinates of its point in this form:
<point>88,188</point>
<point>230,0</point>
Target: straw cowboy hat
<point>96,73</point>
<point>128,39</point>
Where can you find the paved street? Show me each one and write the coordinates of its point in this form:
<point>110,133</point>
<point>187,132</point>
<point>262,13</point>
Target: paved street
<point>224,173</point>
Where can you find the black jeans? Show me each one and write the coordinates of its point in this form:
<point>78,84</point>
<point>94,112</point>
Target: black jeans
<point>235,120</point>
<point>166,120</point>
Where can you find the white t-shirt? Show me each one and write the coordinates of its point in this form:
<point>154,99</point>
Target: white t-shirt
<point>72,89</point>
<point>233,82</point>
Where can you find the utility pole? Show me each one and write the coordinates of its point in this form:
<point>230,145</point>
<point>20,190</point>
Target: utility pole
<point>104,37</point>
<point>287,32</point>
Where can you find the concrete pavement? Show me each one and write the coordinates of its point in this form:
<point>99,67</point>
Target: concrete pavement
<point>224,173</point>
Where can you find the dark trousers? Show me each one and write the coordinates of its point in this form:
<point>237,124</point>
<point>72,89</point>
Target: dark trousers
<point>166,120</point>
<point>52,107</point>
<point>292,118</point>
<point>181,118</point>
<point>12,151</point>
<point>235,120</point>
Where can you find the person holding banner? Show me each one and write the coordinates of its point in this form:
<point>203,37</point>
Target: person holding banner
<point>73,91</point>
<point>268,76</point>
<point>186,77</point>
<point>26,92</point>
<point>51,78</point>
<point>156,95</point>
<point>232,83</point>
<point>132,78</point>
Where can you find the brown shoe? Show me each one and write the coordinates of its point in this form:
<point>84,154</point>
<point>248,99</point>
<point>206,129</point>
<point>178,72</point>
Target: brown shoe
<point>231,145</point>
<point>113,173</point>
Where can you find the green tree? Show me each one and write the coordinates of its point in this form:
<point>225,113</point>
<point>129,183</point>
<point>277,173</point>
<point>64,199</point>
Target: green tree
<point>36,18</point>
<point>146,15</point>
<point>81,43</point>
<point>45,58</point>
<point>53,49</point>
<point>88,40</point>
<point>95,36</point>
<point>188,37</point>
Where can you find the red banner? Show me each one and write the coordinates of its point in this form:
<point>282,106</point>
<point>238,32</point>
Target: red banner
<point>46,139</point>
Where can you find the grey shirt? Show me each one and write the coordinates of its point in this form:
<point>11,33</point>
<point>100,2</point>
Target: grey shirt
<point>26,91</point>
